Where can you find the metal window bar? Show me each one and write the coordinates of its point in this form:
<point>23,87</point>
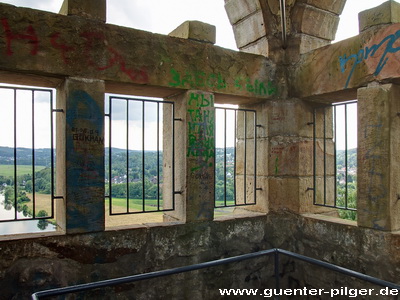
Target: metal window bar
<point>239,119</point>
<point>275,252</point>
<point>143,205</point>
<point>335,118</point>
<point>29,214</point>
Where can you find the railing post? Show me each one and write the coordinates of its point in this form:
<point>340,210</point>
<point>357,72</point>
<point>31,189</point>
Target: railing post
<point>276,270</point>
<point>80,155</point>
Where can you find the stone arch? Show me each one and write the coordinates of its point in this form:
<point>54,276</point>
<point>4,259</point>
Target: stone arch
<point>310,24</point>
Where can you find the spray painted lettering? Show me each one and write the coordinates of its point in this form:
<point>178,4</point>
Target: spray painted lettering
<point>386,44</point>
<point>30,36</point>
<point>201,124</point>
<point>200,79</point>
<point>112,56</point>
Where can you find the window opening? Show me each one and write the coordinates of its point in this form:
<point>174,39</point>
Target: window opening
<point>27,159</point>
<point>235,161</point>
<point>335,158</point>
<point>134,157</point>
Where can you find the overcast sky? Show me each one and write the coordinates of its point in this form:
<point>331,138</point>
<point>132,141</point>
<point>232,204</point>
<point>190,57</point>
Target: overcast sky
<point>163,16</point>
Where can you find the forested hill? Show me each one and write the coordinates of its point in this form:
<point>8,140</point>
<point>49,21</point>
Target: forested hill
<point>24,156</point>
<point>351,158</point>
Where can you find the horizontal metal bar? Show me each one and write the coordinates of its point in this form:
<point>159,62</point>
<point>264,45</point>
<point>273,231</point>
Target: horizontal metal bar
<point>133,278</point>
<point>341,270</point>
<point>25,88</point>
<point>26,219</point>
<point>236,205</point>
<point>57,110</point>
<point>140,212</point>
<point>142,99</point>
<point>214,263</point>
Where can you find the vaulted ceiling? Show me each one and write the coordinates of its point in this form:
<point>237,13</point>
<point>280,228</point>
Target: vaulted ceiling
<point>259,27</point>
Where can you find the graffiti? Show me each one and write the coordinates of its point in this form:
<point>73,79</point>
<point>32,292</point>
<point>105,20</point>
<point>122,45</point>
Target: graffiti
<point>257,87</point>
<point>387,45</point>
<point>67,52</point>
<point>84,140</point>
<point>197,79</point>
<point>201,123</point>
<point>200,79</point>
<point>29,36</point>
<point>376,186</point>
<point>87,135</point>
<point>115,58</point>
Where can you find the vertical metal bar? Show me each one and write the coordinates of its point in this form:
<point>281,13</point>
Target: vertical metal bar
<point>127,155</point>
<point>255,158</point>
<point>283,23</point>
<point>225,189</point>
<point>15,155</point>
<point>314,156</point>
<point>52,152</point>
<point>110,153</point>
<point>33,156</point>
<point>173,156</point>
<point>324,120</point>
<point>143,157</point>
<point>234,157</point>
<point>345,156</point>
<point>335,153</point>
<point>158,155</point>
<point>245,158</point>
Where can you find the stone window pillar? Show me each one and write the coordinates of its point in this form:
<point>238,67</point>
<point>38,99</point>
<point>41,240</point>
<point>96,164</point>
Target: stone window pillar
<point>378,163</point>
<point>80,156</point>
<point>194,157</point>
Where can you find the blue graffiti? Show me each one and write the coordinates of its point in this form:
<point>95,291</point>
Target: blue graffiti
<point>367,52</point>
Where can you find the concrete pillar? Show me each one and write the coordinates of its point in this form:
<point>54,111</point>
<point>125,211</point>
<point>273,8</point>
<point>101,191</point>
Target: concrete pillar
<point>386,13</point>
<point>80,155</point>
<point>194,157</point>
<point>195,30</point>
<point>290,157</point>
<point>92,9</point>
<point>378,162</point>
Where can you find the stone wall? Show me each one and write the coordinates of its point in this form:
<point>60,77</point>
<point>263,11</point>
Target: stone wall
<point>83,57</point>
<point>29,265</point>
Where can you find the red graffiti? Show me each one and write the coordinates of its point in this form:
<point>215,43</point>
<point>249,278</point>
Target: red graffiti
<point>30,36</point>
<point>56,43</point>
<point>113,57</point>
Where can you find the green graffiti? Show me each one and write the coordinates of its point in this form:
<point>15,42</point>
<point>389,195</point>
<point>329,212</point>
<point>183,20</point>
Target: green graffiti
<point>200,79</point>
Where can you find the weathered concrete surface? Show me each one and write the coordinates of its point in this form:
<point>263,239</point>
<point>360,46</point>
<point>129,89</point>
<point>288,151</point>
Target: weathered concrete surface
<point>80,159</point>
<point>195,30</point>
<point>50,44</point>
<point>384,14</point>
<point>344,66</point>
<point>378,159</point>
<point>31,265</point>
<point>93,9</point>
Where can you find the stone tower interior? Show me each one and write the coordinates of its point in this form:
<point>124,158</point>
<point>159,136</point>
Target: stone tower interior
<point>287,73</point>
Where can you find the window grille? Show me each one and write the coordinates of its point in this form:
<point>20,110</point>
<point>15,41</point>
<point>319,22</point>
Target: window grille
<point>335,156</point>
<point>134,157</point>
<point>27,158</point>
<point>235,161</point>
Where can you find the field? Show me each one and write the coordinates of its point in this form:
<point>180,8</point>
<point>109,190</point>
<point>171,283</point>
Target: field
<point>8,170</point>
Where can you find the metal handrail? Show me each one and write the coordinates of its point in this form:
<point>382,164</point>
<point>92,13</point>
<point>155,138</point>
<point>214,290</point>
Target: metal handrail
<point>213,263</point>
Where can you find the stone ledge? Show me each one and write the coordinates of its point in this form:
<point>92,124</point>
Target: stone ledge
<point>386,13</point>
<point>196,31</point>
